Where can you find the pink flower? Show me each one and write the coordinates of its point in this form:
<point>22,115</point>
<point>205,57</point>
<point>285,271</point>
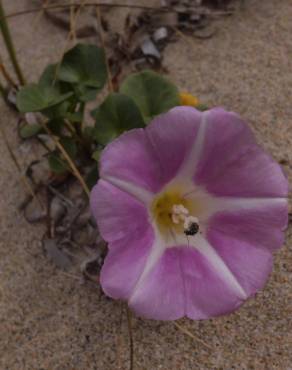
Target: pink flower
<point>192,210</point>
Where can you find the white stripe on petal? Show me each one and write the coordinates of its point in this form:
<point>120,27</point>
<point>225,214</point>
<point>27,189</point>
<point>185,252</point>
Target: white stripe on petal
<point>219,266</point>
<point>188,167</point>
<point>156,252</point>
<point>218,204</point>
<point>137,192</point>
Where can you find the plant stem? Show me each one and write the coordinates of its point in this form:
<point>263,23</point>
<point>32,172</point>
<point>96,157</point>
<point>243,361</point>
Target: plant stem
<point>9,45</point>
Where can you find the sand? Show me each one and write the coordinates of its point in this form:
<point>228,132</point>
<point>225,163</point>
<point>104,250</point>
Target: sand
<point>50,320</point>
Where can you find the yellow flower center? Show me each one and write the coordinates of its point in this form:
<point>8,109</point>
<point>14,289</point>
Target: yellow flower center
<point>175,213</point>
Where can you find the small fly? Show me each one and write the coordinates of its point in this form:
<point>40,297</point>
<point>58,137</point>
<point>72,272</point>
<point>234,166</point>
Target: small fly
<point>192,229</point>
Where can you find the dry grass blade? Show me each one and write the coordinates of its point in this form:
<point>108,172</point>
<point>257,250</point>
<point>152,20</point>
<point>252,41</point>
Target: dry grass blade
<point>191,335</point>
<point>109,79</point>
<point>71,33</point>
<point>80,3</point>
<point>72,22</point>
<point>8,41</point>
<point>72,165</point>
<point>6,75</point>
<point>129,321</point>
<point>17,165</point>
<point>40,14</point>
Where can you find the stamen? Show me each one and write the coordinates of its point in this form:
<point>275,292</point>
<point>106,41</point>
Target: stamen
<point>179,209</point>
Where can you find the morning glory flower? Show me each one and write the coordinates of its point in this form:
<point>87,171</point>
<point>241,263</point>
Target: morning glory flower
<point>192,209</point>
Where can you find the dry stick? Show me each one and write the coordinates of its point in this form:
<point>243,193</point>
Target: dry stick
<point>100,3</point>
<point>6,75</point>
<point>129,320</point>
<point>69,37</point>
<point>191,335</point>
<point>105,4</point>
<point>9,44</point>
<point>17,165</point>
<point>41,13</point>
<point>72,165</point>
<point>70,127</point>
<point>72,22</point>
<point>98,16</point>
<point>74,18</point>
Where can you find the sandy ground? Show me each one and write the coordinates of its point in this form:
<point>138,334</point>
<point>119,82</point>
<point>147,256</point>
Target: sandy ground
<point>49,320</point>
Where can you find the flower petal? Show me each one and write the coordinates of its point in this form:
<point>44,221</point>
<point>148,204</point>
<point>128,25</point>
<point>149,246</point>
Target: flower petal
<point>250,265</point>
<point>124,264</point>
<point>183,283</point>
<point>151,157</point>
<point>161,295</point>
<point>232,164</point>
<point>117,213</point>
<point>245,238</point>
<point>259,227</point>
<point>207,293</point>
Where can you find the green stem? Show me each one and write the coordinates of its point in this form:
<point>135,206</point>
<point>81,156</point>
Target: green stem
<point>9,44</point>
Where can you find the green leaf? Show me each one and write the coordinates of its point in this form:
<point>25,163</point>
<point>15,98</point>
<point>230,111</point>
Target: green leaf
<point>49,76</point>
<point>27,131</point>
<point>96,155</point>
<point>84,93</point>
<point>57,164</point>
<point>69,145</point>
<point>74,117</point>
<point>92,177</point>
<point>84,65</point>
<point>57,111</point>
<point>152,93</point>
<point>118,113</point>
<point>35,98</point>
<point>49,79</point>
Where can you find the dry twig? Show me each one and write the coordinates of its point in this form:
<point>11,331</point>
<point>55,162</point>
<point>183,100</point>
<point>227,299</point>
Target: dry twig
<point>191,335</point>
<point>98,16</point>
<point>6,74</point>
<point>88,4</point>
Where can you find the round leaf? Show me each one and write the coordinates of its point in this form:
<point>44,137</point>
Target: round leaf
<point>49,75</point>
<point>152,93</point>
<point>30,130</point>
<point>84,65</point>
<point>35,98</point>
<point>118,113</point>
